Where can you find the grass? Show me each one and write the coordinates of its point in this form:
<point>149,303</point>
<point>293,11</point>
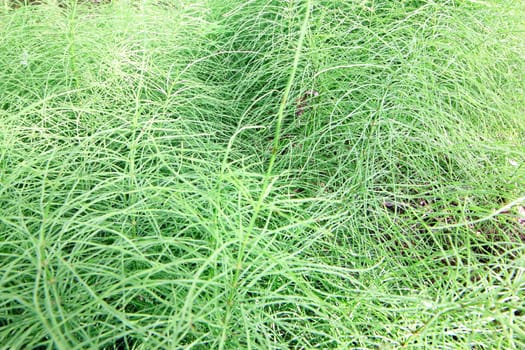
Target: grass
<point>159,188</point>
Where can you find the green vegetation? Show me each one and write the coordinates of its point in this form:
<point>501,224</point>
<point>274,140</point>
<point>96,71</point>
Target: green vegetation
<point>279,174</point>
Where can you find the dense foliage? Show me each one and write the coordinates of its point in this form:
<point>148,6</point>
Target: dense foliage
<point>262,174</point>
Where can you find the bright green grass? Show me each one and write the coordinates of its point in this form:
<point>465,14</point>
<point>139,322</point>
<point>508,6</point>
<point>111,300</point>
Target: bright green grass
<point>158,190</point>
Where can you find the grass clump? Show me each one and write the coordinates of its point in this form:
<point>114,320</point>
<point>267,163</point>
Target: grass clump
<point>271,174</point>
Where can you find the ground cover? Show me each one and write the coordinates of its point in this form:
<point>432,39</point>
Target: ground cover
<point>262,174</point>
